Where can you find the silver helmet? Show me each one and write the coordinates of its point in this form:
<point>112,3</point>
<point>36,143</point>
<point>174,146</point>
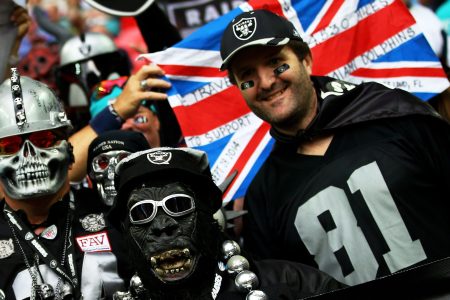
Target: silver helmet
<point>85,60</point>
<point>86,46</point>
<point>33,161</point>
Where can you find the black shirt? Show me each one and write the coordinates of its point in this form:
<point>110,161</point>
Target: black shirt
<point>375,203</point>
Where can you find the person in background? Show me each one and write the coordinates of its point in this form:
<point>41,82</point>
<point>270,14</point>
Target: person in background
<point>165,205</point>
<point>115,98</point>
<point>14,22</point>
<point>357,182</point>
<point>86,60</point>
<point>104,153</point>
<point>54,243</point>
<point>115,114</point>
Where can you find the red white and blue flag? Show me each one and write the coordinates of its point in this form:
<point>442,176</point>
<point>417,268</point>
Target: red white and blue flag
<point>351,40</point>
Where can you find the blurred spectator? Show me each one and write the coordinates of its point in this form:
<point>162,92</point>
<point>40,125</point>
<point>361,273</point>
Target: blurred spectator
<point>127,104</point>
<point>86,60</point>
<point>14,24</point>
<point>432,4</point>
<point>41,59</point>
<point>97,21</point>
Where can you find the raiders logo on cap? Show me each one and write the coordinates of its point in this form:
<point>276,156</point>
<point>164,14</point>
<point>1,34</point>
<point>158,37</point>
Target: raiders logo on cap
<point>93,222</point>
<point>6,249</point>
<point>159,157</point>
<point>245,28</point>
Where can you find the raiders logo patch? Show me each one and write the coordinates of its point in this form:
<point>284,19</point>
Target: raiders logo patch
<point>6,248</point>
<point>159,157</point>
<point>245,28</point>
<point>98,242</point>
<point>50,232</point>
<point>93,222</point>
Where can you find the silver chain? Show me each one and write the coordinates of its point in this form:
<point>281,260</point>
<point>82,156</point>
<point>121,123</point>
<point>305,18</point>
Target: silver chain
<point>29,267</point>
<point>58,291</point>
<point>63,258</point>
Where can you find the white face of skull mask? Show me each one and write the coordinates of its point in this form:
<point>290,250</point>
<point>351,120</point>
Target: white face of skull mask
<point>33,171</point>
<point>103,166</point>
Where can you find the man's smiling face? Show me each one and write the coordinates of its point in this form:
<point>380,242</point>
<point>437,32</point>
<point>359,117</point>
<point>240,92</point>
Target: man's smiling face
<point>283,100</point>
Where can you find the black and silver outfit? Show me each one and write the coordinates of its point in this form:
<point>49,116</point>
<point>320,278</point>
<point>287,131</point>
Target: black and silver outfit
<point>79,238</point>
<point>373,204</point>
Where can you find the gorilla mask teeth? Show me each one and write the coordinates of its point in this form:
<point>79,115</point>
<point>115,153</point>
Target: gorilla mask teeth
<point>172,265</point>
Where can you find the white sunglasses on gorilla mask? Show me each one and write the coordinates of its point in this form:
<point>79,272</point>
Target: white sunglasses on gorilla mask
<point>175,205</point>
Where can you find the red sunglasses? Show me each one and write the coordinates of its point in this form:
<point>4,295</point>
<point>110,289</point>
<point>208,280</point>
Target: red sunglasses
<point>42,139</point>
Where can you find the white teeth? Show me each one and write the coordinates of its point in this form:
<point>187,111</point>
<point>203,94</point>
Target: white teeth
<point>276,95</point>
<point>153,261</point>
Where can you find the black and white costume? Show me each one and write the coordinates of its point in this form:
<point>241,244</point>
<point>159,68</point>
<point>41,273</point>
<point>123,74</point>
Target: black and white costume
<point>166,199</point>
<point>99,260</point>
<point>375,203</point>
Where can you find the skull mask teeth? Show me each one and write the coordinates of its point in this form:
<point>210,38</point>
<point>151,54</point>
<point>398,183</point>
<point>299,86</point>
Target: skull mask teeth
<point>34,171</point>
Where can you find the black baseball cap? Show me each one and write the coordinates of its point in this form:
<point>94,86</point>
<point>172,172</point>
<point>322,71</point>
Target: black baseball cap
<point>121,8</point>
<point>257,27</point>
<point>166,165</point>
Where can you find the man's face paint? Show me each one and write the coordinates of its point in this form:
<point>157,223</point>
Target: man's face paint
<point>140,120</point>
<point>279,70</point>
<point>247,85</point>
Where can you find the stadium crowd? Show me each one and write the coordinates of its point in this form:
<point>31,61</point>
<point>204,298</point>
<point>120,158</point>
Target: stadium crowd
<point>102,198</point>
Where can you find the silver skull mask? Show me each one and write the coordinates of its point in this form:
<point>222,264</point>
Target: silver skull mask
<point>103,166</point>
<point>34,171</point>
<point>31,113</point>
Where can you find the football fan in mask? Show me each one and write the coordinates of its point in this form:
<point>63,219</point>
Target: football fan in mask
<point>165,204</point>
<point>52,245</point>
<point>104,153</point>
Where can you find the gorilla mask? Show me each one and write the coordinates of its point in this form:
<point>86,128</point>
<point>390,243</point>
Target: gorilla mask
<point>162,224</point>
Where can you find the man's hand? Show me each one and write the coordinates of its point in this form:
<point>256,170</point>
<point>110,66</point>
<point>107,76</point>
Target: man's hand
<point>21,20</point>
<point>134,92</point>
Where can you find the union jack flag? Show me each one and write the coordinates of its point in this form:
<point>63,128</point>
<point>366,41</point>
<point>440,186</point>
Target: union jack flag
<point>367,40</point>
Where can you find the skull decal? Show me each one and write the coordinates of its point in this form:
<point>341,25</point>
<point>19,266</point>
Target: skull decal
<point>33,171</point>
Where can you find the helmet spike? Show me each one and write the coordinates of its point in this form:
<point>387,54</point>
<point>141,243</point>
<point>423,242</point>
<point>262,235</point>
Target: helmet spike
<point>17,97</point>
